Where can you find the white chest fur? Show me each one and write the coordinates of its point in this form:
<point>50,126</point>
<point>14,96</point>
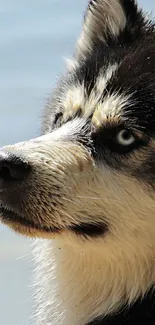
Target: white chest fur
<point>76,283</point>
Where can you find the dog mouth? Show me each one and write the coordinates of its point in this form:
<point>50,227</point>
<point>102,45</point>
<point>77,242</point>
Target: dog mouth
<point>28,227</point>
<point>9,216</point>
<point>89,229</point>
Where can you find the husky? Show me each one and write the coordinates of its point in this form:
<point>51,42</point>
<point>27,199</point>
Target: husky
<point>85,189</point>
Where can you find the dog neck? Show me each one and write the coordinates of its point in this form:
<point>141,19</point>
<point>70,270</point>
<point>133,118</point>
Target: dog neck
<point>76,285</point>
<point>142,312</point>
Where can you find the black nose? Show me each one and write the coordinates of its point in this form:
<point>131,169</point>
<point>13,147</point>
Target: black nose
<point>12,167</point>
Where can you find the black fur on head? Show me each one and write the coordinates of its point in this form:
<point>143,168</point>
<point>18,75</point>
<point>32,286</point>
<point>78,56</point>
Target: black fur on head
<point>115,32</point>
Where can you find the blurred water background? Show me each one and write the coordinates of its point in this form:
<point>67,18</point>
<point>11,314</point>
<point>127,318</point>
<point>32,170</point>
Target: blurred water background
<point>35,35</point>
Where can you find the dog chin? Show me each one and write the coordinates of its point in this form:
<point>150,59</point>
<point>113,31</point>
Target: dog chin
<point>25,227</point>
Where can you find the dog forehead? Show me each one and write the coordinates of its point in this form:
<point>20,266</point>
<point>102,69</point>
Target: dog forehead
<point>80,100</point>
<point>118,90</point>
<point>114,91</point>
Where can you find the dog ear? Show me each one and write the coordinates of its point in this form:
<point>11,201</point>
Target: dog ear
<point>106,20</point>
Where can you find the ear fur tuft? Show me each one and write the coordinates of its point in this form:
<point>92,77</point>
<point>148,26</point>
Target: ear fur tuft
<point>107,19</point>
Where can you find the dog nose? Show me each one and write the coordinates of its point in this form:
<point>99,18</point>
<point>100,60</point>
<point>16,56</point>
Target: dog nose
<point>12,167</point>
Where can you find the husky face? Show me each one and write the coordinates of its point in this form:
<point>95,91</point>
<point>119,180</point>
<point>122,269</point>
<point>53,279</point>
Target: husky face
<point>91,175</point>
<point>93,170</point>
<point>90,178</point>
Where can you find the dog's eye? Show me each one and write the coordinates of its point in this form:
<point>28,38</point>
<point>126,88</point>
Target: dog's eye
<point>125,138</point>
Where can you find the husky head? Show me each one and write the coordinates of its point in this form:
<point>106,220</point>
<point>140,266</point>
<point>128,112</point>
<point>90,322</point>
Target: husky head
<point>90,178</point>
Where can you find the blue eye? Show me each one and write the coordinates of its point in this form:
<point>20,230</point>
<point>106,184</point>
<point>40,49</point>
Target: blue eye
<point>125,138</point>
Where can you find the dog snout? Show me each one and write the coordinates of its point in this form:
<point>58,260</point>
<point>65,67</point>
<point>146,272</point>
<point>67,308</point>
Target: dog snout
<point>12,168</point>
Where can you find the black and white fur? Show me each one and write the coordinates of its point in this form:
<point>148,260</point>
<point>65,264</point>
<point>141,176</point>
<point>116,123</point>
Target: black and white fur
<point>88,190</point>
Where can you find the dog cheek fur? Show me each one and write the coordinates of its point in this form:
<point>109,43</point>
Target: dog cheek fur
<point>113,271</point>
<point>116,268</point>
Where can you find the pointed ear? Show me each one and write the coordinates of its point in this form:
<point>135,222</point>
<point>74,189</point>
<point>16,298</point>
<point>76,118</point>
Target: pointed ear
<point>107,19</point>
